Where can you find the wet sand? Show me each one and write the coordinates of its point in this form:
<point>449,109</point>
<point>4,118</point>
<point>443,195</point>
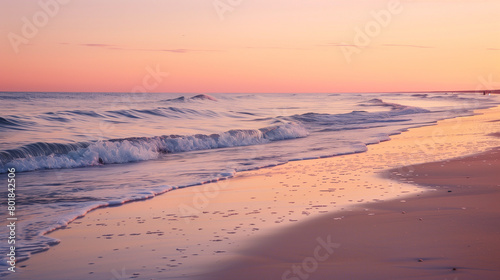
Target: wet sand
<point>269,219</point>
<point>450,233</point>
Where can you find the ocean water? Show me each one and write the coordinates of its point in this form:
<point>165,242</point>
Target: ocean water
<point>74,152</point>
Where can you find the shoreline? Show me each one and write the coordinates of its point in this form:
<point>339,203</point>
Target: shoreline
<point>450,233</point>
<point>250,176</point>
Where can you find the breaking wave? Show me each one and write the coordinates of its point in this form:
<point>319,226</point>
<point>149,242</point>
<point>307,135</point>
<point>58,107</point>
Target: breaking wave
<point>55,155</point>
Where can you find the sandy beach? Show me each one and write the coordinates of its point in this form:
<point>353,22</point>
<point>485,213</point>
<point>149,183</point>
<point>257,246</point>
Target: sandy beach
<point>451,233</point>
<point>419,220</point>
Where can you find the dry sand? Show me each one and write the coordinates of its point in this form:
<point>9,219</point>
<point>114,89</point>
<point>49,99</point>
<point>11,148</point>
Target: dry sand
<point>269,219</point>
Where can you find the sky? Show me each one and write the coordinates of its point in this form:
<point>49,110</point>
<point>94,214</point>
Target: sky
<point>249,46</point>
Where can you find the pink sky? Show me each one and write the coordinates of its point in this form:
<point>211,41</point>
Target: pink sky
<point>253,46</point>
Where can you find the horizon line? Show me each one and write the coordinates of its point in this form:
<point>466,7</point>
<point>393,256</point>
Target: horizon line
<point>494,91</point>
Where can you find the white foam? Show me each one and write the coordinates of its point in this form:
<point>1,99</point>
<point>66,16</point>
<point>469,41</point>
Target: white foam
<point>138,149</point>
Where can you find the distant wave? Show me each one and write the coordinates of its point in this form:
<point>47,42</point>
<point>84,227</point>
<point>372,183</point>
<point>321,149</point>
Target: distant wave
<point>13,123</point>
<point>203,97</point>
<point>358,119</point>
<point>168,112</point>
<point>380,102</point>
<point>55,156</point>
<point>446,95</point>
<point>423,95</point>
<point>196,97</point>
<point>111,115</point>
<point>4,122</point>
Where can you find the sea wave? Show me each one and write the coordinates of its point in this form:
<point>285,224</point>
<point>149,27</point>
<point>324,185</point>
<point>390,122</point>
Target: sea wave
<point>402,109</point>
<point>352,119</point>
<point>14,123</point>
<point>56,155</point>
<point>187,99</point>
<point>161,111</point>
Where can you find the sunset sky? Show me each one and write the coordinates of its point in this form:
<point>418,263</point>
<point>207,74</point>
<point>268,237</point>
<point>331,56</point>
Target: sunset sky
<point>250,46</point>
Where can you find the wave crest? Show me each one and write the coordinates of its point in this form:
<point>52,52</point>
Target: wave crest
<point>55,155</point>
